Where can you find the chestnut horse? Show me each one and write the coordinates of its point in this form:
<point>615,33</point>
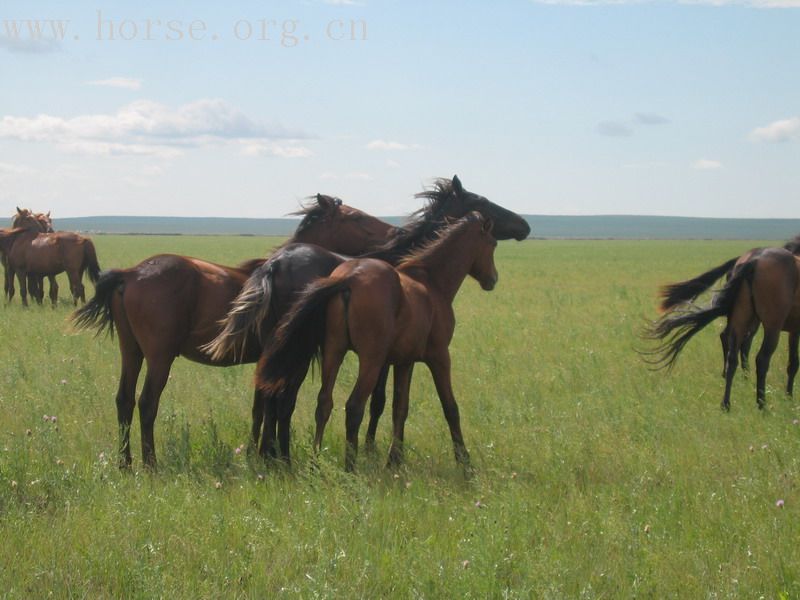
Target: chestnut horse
<point>272,288</point>
<point>47,254</point>
<point>386,315</point>
<point>764,290</point>
<point>169,306</point>
<point>687,291</point>
<point>44,224</point>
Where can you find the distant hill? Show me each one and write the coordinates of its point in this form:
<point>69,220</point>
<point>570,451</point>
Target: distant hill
<point>543,226</point>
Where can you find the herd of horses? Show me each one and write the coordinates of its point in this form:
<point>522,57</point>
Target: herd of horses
<point>31,250</point>
<point>347,281</point>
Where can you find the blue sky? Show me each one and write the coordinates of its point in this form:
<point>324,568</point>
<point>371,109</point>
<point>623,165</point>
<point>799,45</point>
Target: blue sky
<point>547,108</point>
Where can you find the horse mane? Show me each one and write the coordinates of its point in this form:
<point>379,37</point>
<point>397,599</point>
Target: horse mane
<point>793,245</point>
<point>429,247</point>
<point>314,210</point>
<point>423,226</point>
<point>251,264</point>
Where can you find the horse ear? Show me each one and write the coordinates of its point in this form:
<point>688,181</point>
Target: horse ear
<point>457,187</point>
<point>488,225</point>
<point>324,201</point>
<point>19,210</point>
<point>48,214</point>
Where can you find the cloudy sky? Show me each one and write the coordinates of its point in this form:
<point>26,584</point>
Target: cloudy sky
<point>554,107</point>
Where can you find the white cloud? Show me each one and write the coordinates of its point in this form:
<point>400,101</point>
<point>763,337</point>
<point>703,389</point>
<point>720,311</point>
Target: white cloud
<point>26,45</point>
<point>274,149</point>
<point>650,119</point>
<point>720,3</point>
<point>12,169</point>
<point>706,164</point>
<point>778,131</point>
<point>392,164</point>
<point>354,176</point>
<point>614,129</point>
<point>148,128</point>
<point>118,82</point>
<point>388,145</point>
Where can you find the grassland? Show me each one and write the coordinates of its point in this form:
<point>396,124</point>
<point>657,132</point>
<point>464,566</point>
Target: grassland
<point>595,477</point>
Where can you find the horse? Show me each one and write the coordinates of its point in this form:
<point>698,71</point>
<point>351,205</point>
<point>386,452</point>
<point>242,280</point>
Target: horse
<point>687,291</point>
<point>271,289</point>
<point>387,315</point>
<point>47,254</point>
<point>169,306</point>
<point>764,290</point>
<point>44,224</point>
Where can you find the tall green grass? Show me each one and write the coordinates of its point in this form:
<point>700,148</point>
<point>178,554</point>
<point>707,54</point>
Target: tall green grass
<point>595,477</point>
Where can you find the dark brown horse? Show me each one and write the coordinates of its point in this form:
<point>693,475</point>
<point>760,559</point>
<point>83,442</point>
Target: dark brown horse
<point>169,306</point>
<point>764,290</point>
<point>386,315</point>
<point>47,254</point>
<point>272,288</point>
<point>684,292</point>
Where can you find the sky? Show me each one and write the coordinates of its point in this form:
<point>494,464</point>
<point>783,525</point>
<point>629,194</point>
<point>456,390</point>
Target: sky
<point>243,109</point>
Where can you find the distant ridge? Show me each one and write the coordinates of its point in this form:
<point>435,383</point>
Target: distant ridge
<point>543,226</point>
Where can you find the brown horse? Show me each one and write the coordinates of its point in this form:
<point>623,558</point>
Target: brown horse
<point>47,254</point>
<point>764,290</point>
<point>169,306</point>
<point>398,316</point>
<point>44,224</point>
<point>272,288</point>
<point>687,291</point>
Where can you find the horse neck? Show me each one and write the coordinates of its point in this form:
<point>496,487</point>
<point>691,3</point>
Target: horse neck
<point>9,237</point>
<point>446,264</point>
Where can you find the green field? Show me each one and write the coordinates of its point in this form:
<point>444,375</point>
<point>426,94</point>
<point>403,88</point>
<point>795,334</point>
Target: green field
<point>595,477</point>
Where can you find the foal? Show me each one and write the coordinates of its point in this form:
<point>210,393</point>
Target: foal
<point>396,315</point>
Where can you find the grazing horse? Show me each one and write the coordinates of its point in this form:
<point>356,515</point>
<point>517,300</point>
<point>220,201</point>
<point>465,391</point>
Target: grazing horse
<point>169,306</point>
<point>44,224</point>
<point>47,254</point>
<point>272,288</point>
<point>386,315</point>
<point>764,290</point>
<point>687,291</point>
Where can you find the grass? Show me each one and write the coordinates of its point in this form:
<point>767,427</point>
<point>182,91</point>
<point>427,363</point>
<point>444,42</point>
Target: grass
<point>595,477</point>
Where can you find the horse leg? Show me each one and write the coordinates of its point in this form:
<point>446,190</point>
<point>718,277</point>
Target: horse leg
<point>768,345</point>
<point>731,363</point>
<point>285,410</point>
<point>333,355</point>
<point>36,288</point>
<point>794,361</point>
<point>10,283</point>
<point>157,374</point>
<point>376,406</point>
<point>126,394</point>
<point>723,338</point>
<point>76,287</point>
<point>269,419</point>
<point>402,382</point>
<point>53,290</point>
<point>368,374</point>
<point>440,369</point>
<point>744,351</point>
<point>258,417</point>
<point>22,277</point>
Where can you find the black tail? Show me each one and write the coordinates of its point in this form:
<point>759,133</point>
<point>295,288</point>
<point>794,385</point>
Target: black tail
<point>247,314</point>
<point>298,339</point>
<point>686,291</point>
<point>675,329</point>
<point>97,312</point>
<point>90,261</point>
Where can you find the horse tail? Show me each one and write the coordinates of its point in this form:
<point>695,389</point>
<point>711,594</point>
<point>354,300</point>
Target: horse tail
<point>90,261</point>
<point>686,291</point>
<point>675,329</point>
<point>247,313</point>
<point>299,337</point>
<point>96,314</point>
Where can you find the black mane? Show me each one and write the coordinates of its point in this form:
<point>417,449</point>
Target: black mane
<point>421,227</point>
<point>793,245</point>
<point>315,211</point>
